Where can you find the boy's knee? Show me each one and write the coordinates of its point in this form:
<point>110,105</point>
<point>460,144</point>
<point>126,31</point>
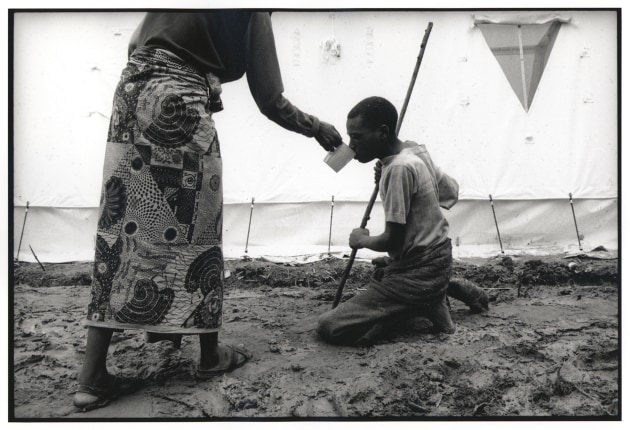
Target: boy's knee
<point>325,325</point>
<point>334,328</point>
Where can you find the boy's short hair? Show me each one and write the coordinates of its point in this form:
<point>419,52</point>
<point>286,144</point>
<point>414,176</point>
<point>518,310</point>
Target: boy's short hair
<point>376,111</point>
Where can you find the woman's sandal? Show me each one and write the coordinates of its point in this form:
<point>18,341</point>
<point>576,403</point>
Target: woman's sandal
<point>117,387</point>
<point>237,358</point>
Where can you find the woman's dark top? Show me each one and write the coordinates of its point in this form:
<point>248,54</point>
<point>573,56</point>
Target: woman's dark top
<point>228,44</point>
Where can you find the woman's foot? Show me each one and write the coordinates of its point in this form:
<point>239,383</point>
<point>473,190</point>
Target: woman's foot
<point>93,396</point>
<point>225,359</point>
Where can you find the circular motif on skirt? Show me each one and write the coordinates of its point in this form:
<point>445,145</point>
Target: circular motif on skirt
<point>170,234</point>
<point>131,228</point>
<point>173,124</point>
<point>113,201</point>
<point>148,305</point>
<point>102,268</point>
<point>189,180</point>
<point>137,163</point>
<point>206,272</point>
<point>215,181</point>
<point>106,260</point>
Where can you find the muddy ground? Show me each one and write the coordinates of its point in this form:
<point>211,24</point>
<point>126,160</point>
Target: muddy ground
<point>549,346</point>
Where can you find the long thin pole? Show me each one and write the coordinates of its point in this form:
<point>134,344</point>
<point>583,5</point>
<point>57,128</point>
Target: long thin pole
<point>251,211</point>
<point>496,223</point>
<point>17,257</point>
<point>575,221</point>
<point>34,255</point>
<point>370,205</point>
<point>332,208</point>
<point>423,44</point>
<point>353,254</point>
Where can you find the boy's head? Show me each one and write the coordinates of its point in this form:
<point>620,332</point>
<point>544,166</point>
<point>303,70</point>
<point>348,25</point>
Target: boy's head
<point>371,126</point>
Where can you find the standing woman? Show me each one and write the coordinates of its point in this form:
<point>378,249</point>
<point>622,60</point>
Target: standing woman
<point>159,261</point>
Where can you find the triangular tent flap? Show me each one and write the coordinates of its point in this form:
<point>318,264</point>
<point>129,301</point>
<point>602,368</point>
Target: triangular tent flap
<point>520,18</point>
<point>522,45</point>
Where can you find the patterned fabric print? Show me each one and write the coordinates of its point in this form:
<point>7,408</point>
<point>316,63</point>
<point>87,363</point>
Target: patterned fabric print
<point>113,202</point>
<point>106,263</point>
<point>169,120</point>
<point>172,124</point>
<point>212,187</point>
<point>212,235</point>
<point>114,196</point>
<point>206,275</point>
<point>123,119</point>
<point>148,305</point>
<point>148,208</point>
<point>159,264</point>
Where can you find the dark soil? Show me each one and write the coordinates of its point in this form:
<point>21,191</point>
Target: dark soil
<point>549,346</point>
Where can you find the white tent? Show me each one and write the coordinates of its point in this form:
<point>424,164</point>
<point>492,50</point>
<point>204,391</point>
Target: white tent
<point>528,136</point>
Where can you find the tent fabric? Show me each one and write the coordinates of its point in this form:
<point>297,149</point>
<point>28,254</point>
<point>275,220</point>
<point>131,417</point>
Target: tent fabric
<point>522,52</point>
<point>462,108</point>
<point>520,18</point>
<point>285,231</point>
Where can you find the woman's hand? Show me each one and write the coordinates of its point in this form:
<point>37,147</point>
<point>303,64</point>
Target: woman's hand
<point>328,136</point>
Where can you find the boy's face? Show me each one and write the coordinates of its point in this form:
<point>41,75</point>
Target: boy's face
<point>365,141</point>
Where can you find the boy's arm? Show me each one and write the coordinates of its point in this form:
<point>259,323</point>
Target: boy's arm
<point>390,240</point>
<point>396,193</point>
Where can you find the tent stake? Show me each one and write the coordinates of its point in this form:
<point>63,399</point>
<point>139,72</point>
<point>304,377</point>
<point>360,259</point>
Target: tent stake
<point>17,257</point>
<point>368,209</point>
<point>40,264</point>
<point>575,221</point>
<point>251,211</point>
<point>496,223</point>
<point>332,208</point>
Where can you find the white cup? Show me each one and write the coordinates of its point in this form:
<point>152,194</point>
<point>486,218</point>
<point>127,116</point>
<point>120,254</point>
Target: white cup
<point>338,158</point>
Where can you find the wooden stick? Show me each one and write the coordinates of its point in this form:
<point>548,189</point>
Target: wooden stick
<point>423,44</point>
<point>17,257</point>
<point>251,211</point>
<point>353,254</point>
<point>332,208</point>
<point>496,223</point>
<point>575,221</point>
<point>370,205</point>
<point>40,264</point>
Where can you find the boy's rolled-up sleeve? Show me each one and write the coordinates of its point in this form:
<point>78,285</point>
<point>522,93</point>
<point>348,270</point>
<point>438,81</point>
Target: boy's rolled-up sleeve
<point>397,188</point>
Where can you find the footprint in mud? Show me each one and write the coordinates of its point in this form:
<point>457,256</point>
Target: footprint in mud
<point>602,357</point>
<point>323,404</point>
<point>214,404</point>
